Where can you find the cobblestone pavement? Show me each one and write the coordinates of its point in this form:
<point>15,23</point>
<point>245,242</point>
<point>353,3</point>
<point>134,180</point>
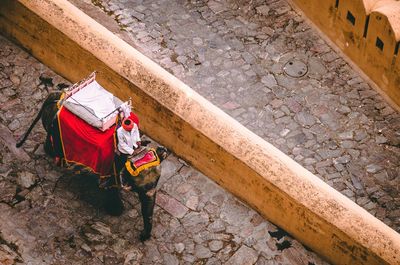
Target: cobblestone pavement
<point>265,66</point>
<point>50,215</point>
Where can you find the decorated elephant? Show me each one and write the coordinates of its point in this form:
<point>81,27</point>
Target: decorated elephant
<point>136,175</point>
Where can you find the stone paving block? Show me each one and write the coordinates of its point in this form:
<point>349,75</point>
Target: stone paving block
<point>244,255</point>
<point>8,140</point>
<point>171,205</point>
<point>26,179</point>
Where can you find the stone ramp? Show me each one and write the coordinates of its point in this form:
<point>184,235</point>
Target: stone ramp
<point>237,54</point>
<point>50,215</point>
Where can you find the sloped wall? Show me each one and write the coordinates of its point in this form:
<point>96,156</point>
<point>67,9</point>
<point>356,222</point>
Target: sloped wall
<point>368,32</point>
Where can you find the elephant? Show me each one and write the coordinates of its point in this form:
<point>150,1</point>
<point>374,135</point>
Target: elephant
<point>144,183</point>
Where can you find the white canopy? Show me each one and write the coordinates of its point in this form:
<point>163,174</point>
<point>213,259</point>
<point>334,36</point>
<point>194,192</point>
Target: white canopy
<point>96,98</point>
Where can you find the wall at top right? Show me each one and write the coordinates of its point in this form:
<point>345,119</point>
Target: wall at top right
<point>367,31</point>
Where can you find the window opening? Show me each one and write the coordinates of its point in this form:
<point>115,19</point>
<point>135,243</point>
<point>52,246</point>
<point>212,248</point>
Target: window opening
<point>366,27</point>
<point>379,43</point>
<point>337,4</point>
<point>351,18</point>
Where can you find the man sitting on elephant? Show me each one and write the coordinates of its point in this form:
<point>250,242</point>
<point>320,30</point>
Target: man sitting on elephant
<point>128,140</point>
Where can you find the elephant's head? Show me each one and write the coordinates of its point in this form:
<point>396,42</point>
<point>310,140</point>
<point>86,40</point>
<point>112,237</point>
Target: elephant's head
<point>162,153</point>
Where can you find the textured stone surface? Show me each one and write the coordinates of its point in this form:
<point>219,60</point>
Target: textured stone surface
<point>244,255</point>
<point>171,205</point>
<point>233,53</point>
<point>52,215</point>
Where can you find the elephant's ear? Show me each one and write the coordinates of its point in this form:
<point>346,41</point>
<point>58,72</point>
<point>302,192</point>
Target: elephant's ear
<point>162,152</point>
<point>145,142</point>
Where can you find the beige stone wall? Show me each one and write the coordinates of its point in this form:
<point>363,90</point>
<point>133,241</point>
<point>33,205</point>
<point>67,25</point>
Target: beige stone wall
<point>368,32</point>
<point>314,11</point>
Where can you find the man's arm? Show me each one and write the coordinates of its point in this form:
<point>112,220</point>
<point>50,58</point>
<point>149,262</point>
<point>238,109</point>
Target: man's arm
<point>135,135</point>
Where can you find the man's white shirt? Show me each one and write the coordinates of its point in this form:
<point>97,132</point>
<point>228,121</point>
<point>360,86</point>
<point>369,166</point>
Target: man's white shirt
<point>127,140</point>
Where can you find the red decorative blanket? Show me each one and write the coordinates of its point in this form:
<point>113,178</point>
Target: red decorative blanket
<point>149,159</point>
<point>86,145</point>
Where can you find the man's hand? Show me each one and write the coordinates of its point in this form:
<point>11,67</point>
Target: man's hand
<point>136,151</point>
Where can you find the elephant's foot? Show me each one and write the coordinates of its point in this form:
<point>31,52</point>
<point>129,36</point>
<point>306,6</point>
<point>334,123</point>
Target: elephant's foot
<point>144,235</point>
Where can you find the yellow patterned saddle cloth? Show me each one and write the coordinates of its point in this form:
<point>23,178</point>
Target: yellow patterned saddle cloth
<point>142,161</point>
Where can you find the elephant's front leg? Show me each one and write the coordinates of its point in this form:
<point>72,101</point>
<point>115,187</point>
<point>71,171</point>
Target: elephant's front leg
<point>113,202</point>
<point>147,200</point>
